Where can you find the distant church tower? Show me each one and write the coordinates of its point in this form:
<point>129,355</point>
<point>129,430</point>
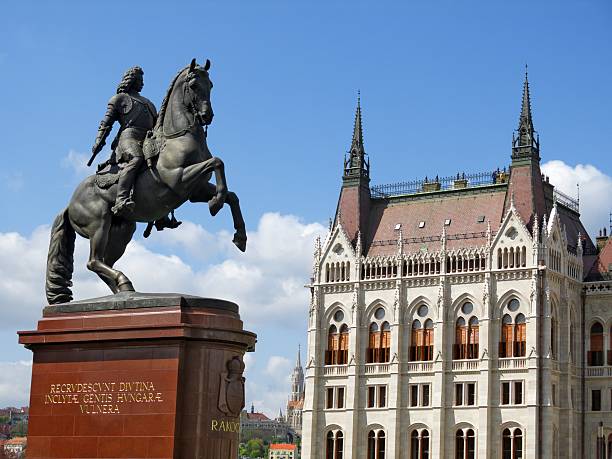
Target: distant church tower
<point>296,399</point>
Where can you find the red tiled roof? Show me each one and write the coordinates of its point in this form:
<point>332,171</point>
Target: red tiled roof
<point>463,208</point>
<point>288,446</point>
<point>257,416</point>
<point>602,263</point>
<point>299,404</point>
<point>17,441</point>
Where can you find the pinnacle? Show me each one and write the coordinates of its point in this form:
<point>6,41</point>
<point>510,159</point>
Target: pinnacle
<point>526,105</point>
<point>358,127</point>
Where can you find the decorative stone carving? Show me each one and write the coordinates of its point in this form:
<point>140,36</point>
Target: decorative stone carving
<point>231,389</point>
<point>396,300</point>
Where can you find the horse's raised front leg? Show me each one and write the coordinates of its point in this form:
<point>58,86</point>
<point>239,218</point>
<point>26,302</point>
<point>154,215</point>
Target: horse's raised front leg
<point>98,243</point>
<point>191,175</point>
<point>208,192</point>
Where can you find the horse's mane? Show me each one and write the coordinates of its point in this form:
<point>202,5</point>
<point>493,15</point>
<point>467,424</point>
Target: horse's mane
<point>164,105</point>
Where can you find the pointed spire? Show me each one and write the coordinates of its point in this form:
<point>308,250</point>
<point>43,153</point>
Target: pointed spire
<point>298,360</point>
<point>356,165</point>
<point>526,119</point>
<point>526,143</point>
<point>357,143</point>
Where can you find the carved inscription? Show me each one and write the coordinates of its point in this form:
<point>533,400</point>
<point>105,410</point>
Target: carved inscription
<point>103,397</point>
<point>224,425</point>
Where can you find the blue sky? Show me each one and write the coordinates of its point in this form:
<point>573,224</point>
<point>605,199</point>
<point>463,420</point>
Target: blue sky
<point>440,84</point>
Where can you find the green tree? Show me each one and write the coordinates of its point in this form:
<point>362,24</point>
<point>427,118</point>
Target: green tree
<point>255,448</point>
<point>20,429</point>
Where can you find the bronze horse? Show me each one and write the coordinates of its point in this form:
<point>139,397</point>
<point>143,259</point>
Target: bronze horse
<point>181,172</point>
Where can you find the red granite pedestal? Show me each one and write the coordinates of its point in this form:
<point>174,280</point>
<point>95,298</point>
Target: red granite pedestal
<point>137,376</point>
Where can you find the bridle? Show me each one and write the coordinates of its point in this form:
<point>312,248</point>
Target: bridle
<point>192,107</point>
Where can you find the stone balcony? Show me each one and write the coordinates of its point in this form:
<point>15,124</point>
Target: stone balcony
<point>335,370</point>
<point>512,363</point>
<point>598,372</point>
<point>377,368</point>
<point>466,365</point>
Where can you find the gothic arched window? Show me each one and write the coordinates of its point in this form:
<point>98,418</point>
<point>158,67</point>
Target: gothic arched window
<point>334,445</point>
<point>553,337</point>
<point>512,444</point>
<point>337,345</point>
<point>596,350</point>
<point>513,337</point>
<point>421,336</point>
<point>376,444</point>
<point>419,444</point>
<point>379,340</point>
<point>465,444</point>
<point>466,334</point>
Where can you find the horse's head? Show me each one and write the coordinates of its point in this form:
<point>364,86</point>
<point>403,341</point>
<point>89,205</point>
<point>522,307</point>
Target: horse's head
<point>197,87</point>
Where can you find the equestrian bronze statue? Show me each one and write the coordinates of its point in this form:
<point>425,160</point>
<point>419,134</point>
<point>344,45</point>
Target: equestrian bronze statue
<point>179,169</point>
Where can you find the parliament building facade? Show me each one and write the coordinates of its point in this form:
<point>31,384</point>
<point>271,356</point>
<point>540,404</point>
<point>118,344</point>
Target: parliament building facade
<point>461,317</point>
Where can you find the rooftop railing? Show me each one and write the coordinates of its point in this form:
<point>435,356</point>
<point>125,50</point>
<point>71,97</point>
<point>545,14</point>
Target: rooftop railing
<point>567,201</point>
<point>459,181</point>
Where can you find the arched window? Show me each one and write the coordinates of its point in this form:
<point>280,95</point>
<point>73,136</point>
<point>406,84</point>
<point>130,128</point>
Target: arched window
<point>428,340</point>
<point>553,337</point>
<point>473,338</point>
<point>505,344</point>
<point>376,444</point>
<point>373,343</point>
<point>460,339</point>
<point>419,444</point>
<point>344,345</point>
<point>421,336</point>
<point>595,353</point>
<point>416,340</point>
<point>379,342</point>
<point>512,444</point>
<point>333,345</point>
<point>572,339</point>
<point>465,444</point>
<point>520,336</point>
<point>513,337</point>
<point>466,333</point>
<point>334,446</point>
<point>337,345</point>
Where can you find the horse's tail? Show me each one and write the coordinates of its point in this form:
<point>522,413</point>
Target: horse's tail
<point>60,261</point>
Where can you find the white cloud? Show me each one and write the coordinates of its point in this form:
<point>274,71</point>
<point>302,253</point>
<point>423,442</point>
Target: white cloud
<point>77,162</point>
<point>278,367</point>
<point>15,383</point>
<point>595,190</point>
<point>13,181</point>
<point>268,388</point>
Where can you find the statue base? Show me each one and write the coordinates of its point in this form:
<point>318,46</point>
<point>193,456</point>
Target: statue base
<point>137,375</point>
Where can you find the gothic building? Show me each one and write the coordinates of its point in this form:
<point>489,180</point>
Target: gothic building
<point>461,317</point>
<point>295,404</point>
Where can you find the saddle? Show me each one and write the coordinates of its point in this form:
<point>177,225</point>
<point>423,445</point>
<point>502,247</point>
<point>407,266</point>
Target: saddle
<point>107,174</point>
